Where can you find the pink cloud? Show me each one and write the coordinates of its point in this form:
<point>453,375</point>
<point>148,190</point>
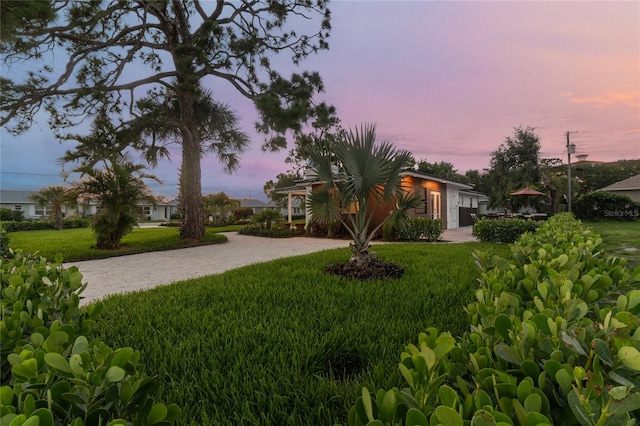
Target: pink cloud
<point>611,97</point>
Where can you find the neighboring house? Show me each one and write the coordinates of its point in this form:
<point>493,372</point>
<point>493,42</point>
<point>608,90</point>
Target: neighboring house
<point>21,201</point>
<point>257,206</point>
<point>453,202</point>
<point>629,187</point>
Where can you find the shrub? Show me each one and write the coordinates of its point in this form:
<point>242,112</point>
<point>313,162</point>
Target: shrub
<point>174,216</point>
<point>503,230</point>
<point>601,205</point>
<point>415,229</point>
<point>260,231</point>
<point>552,327</point>
<point>54,370</point>
<point>242,213</point>
<point>4,242</point>
<point>7,215</point>
<point>39,225</point>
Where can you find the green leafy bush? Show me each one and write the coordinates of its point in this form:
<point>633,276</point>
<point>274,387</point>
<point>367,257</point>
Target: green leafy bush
<point>260,231</point>
<point>553,327</point>
<point>601,205</point>
<point>7,215</point>
<point>54,370</point>
<point>503,230</point>
<point>4,242</point>
<point>39,225</point>
<point>415,229</point>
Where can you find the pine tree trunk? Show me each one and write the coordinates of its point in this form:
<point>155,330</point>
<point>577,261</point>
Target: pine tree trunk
<point>191,205</point>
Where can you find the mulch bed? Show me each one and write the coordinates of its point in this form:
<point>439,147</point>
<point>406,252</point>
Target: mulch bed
<point>375,269</point>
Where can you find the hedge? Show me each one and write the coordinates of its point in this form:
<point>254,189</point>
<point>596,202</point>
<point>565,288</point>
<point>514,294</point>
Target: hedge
<point>415,229</point>
<point>503,230</point>
<point>600,205</point>
<point>54,369</point>
<point>554,338</point>
<point>39,225</point>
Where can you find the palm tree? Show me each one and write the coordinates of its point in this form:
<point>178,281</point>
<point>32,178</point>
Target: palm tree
<point>118,188</point>
<point>219,204</point>
<point>360,177</point>
<point>55,197</point>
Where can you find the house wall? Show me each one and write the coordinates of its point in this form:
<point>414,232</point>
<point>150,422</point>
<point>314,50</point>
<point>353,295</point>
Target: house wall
<point>634,195</point>
<point>426,188</point>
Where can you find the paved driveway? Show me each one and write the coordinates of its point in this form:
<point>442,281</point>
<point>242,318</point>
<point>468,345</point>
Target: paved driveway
<point>147,270</point>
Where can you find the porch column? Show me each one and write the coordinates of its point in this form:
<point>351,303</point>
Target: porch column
<point>290,208</point>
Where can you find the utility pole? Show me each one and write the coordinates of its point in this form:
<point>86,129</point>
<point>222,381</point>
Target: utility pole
<point>571,149</point>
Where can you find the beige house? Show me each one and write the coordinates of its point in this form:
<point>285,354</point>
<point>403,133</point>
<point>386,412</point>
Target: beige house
<point>629,187</point>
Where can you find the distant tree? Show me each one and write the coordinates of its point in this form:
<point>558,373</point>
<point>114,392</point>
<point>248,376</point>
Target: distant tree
<point>117,187</point>
<point>267,216</point>
<point>359,177</point>
<point>441,169</point>
<point>514,165</point>
<point>56,197</point>
<point>146,61</point>
<point>283,180</point>
<point>219,205</point>
<point>595,176</point>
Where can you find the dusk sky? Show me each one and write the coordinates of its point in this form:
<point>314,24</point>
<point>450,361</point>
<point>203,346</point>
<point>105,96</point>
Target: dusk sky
<point>446,80</point>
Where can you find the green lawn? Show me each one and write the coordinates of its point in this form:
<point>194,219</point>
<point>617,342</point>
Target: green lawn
<point>282,343</point>
<point>79,244</point>
<point>620,239</point>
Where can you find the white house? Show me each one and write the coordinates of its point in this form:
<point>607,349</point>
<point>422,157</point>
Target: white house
<point>21,201</point>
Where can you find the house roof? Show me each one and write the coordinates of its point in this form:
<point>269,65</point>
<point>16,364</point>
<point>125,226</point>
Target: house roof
<point>480,195</point>
<point>10,196</point>
<point>414,173</point>
<point>629,184</point>
<point>252,203</point>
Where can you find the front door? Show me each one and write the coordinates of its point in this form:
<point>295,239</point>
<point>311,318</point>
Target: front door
<point>436,205</point>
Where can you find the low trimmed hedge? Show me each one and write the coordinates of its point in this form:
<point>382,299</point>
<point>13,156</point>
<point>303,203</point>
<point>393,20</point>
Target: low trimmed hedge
<point>274,232</point>
<point>503,230</point>
<point>39,225</point>
<point>54,369</point>
<point>554,338</point>
<point>415,229</point>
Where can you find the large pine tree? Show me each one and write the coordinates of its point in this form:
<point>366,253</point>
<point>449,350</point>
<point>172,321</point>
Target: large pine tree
<point>141,60</point>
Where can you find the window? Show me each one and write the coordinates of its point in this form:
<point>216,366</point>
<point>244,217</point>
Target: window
<point>296,210</point>
<point>17,208</point>
<point>146,210</point>
<point>42,210</point>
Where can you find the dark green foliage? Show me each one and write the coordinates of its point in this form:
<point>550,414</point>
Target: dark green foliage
<point>415,229</point>
<point>554,338</point>
<point>7,215</point>
<point>283,343</point>
<point>118,187</point>
<point>601,205</point>
<point>4,242</point>
<point>503,230</point>
<point>54,369</point>
<point>514,165</point>
<point>276,232</point>
<point>266,218</point>
<point>39,225</point>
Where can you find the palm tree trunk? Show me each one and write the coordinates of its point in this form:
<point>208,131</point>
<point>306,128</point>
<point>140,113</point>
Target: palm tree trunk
<point>191,205</point>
